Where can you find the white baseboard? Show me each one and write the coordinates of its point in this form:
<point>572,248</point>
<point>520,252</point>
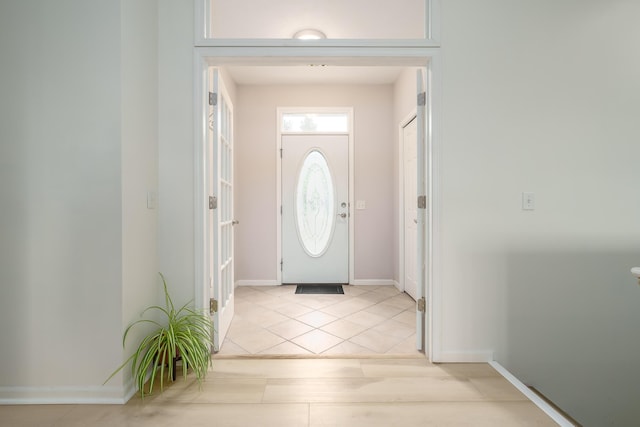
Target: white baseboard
<point>359,282</point>
<point>256,283</point>
<point>463,357</point>
<point>537,400</point>
<point>96,395</point>
<point>375,282</point>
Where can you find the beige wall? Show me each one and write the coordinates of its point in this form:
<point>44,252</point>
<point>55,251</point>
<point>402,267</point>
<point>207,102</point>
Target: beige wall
<point>255,172</point>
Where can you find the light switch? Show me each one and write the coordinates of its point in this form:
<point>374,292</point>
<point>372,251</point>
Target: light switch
<point>528,201</point>
<point>361,204</point>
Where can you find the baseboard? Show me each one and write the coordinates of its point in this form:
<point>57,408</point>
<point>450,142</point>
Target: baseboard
<point>256,283</point>
<point>375,282</point>
<point>533,397</point>
<point>360,282</point>
<point>463,357</point>
<point>96,395</point>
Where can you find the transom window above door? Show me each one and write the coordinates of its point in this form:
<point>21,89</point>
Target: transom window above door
<point>315,123</point>
<point>330,19</point>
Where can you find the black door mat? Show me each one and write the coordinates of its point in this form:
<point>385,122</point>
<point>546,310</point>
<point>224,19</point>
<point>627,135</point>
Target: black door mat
<point>319,289</point>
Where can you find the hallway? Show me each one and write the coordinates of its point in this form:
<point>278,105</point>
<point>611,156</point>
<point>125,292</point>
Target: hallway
<point>366,320</point>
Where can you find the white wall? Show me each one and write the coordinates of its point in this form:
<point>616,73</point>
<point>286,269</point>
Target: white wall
<point>140,282</point>
<point>60,172</point>
<point>176,147</point>
<point>544,96</point>
<point>78,130</point>
<point>255,174</point>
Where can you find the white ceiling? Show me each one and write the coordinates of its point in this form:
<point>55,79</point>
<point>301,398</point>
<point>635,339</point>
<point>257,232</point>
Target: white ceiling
<point>313,74</point>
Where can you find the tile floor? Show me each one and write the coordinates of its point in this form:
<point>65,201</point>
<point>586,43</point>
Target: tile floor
<point>273,320</point>
<point>373,392</point>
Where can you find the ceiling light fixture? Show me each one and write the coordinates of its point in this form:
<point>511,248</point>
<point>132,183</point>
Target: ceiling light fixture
<point>309,34</point>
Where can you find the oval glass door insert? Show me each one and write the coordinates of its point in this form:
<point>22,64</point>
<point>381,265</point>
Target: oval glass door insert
<point>315,204</point>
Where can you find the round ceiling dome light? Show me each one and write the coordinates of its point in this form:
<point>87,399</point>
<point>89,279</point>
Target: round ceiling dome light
<point>309,34</point>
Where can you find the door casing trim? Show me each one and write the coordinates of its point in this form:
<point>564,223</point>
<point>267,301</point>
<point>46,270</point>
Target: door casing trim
<point>351,134</point>
<point>429,57</point>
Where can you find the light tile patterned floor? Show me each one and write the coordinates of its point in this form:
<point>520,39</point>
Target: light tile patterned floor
<point>366,320</point>
<point>372,392</point>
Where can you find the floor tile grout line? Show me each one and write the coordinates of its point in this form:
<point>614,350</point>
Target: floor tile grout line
<point>382,298</point>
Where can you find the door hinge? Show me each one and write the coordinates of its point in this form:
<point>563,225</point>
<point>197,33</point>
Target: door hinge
<point>281,262</point>
<point>213,98</point>
<point>422,202</point>
<point>422,99</point>
<point>281,153</point>
<point>280,209</point>
<point>213,202</point>
<point>213,306</point>
<point>422,305</point>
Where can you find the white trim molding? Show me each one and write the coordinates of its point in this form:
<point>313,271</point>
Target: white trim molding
<point>204,34</point>
<point>351,185</point>
<point>474,356</point>
<point>96,395</point>
<point>375,282</point>
<point>533,397</point>
<point>343,55</point>
<point>256,283</point>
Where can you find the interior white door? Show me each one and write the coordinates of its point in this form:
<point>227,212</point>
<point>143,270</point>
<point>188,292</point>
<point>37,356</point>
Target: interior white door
<point>220,184</point>
<point>315,209</point>
<point>410,184</point>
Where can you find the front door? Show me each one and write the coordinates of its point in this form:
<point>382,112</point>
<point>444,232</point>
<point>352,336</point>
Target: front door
<point>315,209</point>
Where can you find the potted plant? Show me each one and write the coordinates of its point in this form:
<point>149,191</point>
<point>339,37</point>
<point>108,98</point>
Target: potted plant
<point>181,334</point>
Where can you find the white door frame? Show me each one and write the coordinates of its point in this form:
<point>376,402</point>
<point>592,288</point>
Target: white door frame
<point>428,57</point>
<point>350,134</point>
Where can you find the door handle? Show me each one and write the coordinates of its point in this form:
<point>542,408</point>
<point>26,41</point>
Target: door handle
<point>342,215</point>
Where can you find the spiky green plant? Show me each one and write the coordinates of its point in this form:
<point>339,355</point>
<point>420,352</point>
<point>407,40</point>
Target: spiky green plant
<point>184,333</point>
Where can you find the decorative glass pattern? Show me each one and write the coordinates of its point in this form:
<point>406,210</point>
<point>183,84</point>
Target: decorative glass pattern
<point>315,204</point>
